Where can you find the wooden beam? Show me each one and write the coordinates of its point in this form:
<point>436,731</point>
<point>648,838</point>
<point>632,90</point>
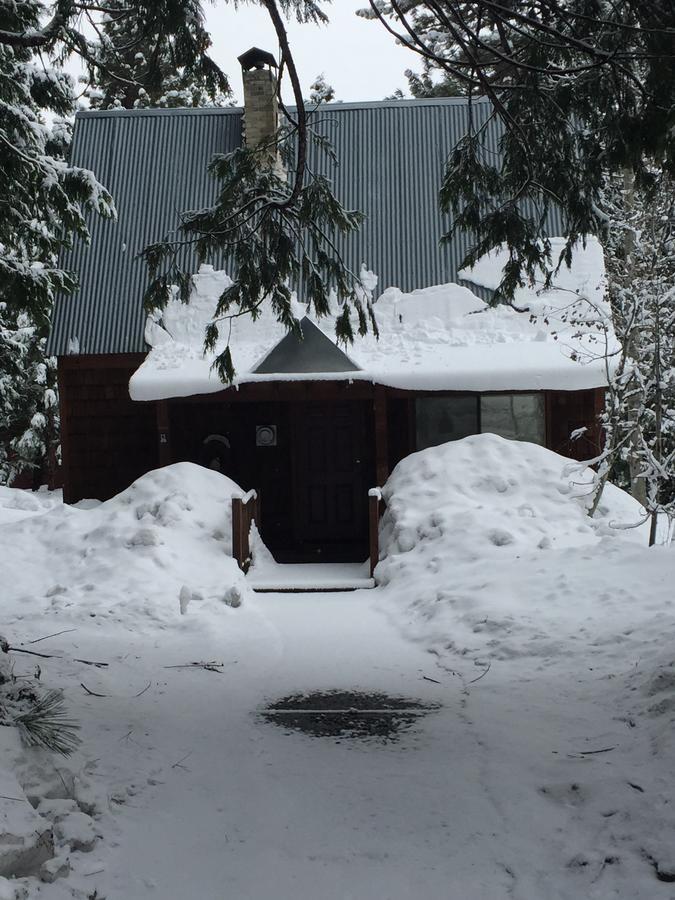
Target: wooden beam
<point>65,423</point>
<point>163,433</point>
<point>237,531</point>
<point>286,392</point>
<point>548,419</point>
<point>374,530</point>
<point>101,361</point>
<point>381,437</point>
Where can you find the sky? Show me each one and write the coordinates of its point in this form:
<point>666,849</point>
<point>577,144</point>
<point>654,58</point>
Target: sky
<point>359,58</point>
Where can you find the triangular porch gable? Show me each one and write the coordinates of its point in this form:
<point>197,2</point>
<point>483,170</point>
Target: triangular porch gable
<point>314,353</point>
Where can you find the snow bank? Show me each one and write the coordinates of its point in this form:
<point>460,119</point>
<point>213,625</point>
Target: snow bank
<point>438,338</point>
<point>472,532</point>
<point>487,496</point>
<point>26,840</point>
<point>159,549</point>
<point>16,504</point>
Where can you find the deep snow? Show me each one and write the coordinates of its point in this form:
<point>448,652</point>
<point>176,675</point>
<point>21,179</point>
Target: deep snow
<point>441,337</point>
<point>547,771</point>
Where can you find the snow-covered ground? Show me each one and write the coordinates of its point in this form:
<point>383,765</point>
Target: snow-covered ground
<point>545,772</point>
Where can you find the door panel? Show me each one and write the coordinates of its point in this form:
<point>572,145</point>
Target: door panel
<point>332,471</point>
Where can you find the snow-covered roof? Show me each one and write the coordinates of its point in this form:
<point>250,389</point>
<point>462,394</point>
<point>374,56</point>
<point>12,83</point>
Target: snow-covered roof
<point>441,338</point>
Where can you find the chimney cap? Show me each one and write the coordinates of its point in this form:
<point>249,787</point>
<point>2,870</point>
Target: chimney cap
<point>255,58</point>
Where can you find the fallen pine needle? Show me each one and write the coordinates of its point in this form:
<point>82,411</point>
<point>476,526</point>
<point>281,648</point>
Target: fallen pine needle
<point>178,764</point>
<point>482,675</point>
<point>47,636</point>
<point>93,693</point>
<point>209,666</point>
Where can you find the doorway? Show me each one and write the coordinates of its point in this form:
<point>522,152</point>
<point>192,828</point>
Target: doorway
<point>332,470</point>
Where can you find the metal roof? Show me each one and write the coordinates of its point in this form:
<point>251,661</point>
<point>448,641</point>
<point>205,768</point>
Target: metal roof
<point>390,155</point>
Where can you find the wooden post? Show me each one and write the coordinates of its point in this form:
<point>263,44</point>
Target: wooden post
<point>163,434</point>
<point>381,442</point>
<point>244,512</point>
<point>65,420</point>
<point>548,419</point>
<point>374,500</point>
<point>237,531</point>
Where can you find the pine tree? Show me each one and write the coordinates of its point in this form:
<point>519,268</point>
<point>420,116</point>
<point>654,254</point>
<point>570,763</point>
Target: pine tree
<point>579,88</point>
<point>276,221</point>
<point>143,62</point>
<point>44,200</point>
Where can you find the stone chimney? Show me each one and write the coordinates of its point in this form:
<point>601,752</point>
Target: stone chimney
<point>261,109</point>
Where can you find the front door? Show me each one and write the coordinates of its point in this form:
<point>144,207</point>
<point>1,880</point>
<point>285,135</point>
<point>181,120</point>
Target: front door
<point>332,471</point>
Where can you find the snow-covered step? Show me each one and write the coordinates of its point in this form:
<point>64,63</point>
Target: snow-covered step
<point>310,577</point>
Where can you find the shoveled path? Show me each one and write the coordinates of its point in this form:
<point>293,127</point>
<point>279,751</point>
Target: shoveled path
<point>205,800</point>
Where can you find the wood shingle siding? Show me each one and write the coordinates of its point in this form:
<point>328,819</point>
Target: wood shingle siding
<point>107,440</point>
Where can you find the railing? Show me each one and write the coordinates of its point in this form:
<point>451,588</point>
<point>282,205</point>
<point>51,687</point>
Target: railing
<point>375,506</point>
<point>245,511</point>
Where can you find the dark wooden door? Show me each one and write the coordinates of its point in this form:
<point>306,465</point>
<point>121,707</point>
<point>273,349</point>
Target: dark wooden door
<point>332,471</point>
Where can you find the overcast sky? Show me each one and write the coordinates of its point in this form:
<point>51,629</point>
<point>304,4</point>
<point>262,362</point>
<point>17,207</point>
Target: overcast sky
<point>359,58</point>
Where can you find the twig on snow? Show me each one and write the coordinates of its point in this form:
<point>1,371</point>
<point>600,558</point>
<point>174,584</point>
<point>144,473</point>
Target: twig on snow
<point>47,636</point>
<point>147,687</point>
<point>178,765</point>
<point>93,693</point>
<point>34,653</point>
<point>209,666</point>
<point>482,675</point>
<point>590,752</point>
<point>87,662</point>
<point>433,680</point>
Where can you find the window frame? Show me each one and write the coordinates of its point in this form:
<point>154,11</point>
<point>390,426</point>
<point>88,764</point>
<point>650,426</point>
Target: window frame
<point>479,416</point>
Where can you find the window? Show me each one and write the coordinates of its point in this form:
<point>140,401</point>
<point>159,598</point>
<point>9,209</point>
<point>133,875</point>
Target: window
<point>516,416</point>
<point>519,417</point>
<point>441,419</point>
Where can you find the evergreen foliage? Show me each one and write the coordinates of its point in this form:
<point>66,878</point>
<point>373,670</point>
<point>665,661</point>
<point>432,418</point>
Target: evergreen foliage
<point>274,221</point>
<point>161,60</point>
<point>580,87</point>
<point>39,715</point>
<point>42,204</point>
<point>43,199</point>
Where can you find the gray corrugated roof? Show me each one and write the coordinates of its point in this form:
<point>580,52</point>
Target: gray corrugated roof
<point>391,157</point>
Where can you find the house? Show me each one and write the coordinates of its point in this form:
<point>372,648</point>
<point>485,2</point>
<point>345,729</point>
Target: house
<point>310,425</point>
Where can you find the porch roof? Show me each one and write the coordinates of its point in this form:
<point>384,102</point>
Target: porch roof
<point>437,338</point>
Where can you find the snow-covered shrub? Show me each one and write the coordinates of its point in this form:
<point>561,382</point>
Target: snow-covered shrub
<point>39,714</point>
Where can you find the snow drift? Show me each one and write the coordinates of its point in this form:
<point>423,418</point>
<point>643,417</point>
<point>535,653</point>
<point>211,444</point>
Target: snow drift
<point>488,495</point>
<point>472,533</point>
<point>148,553</point>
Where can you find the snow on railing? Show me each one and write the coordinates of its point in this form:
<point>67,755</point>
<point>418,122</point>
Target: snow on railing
<point>375,504</point>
